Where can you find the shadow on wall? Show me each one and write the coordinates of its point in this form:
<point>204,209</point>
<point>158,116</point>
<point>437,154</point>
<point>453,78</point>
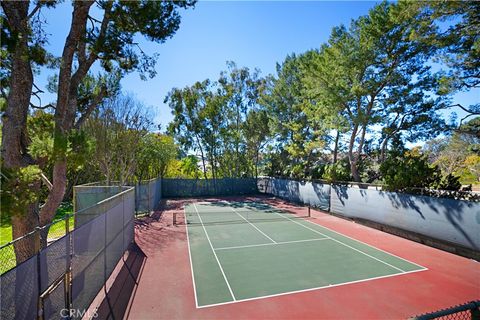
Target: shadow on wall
<point>341,192</point>
<point>322,192</point>
<point>115,305</point>
<point>286,189</point>
<point>453,220</point>
<point>452,210</point>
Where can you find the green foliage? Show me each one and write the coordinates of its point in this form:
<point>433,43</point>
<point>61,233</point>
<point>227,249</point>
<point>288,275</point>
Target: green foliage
<point>448,182</point>
<point>452,29</point>
<point>339,171</point>
<point>457,154</point>
<point>222,122</point>
<point>372,76</point>
<point>18,190</point>
<point>408,170</point>
<point>296,133</point>
<point>156,153</point>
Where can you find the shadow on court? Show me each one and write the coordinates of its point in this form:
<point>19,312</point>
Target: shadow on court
<point>115,304</point>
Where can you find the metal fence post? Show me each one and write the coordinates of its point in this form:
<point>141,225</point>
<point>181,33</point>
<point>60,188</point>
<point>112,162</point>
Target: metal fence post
<point>68,271</point>
<point>475,312</point>
<point>123,221</point>
<point>37,244</point>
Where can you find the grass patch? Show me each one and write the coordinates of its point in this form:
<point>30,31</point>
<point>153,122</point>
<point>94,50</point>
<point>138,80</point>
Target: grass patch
<point>5,234</point>
<point>57,230</point>
<point>58,227</point>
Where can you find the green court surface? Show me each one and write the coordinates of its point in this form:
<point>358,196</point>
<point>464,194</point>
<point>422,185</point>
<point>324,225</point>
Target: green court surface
<point>248,250</point>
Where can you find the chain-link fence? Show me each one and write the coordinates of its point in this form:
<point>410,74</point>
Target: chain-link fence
<point>148,195</point>
<point>467,311</point>
<point>67,273</point>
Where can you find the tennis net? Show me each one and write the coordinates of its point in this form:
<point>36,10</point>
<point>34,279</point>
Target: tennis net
<point>244,212</point>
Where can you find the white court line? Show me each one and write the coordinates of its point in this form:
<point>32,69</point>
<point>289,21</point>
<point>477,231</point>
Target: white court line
<point>190,257</point>
<point>346,245</point>
<point>369,245</point>
<point>270,244</point>
<point>253,225</point>
<point>310,289</point>
<point>218,261</point>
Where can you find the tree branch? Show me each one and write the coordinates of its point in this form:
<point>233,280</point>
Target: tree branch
<point>465,109</point>
<point>50,105</point>
<point>46,181</point>
<point>34,11</point>
<point>96,101</point>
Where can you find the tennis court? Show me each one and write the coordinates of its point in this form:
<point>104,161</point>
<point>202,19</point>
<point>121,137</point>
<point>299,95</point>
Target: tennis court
<point>247,250</point>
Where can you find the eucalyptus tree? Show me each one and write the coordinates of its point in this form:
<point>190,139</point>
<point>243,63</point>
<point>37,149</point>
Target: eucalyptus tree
<point>156,152</point>
<point>374,74</point>
<point>211,118</point>
<point>189,108</point>
<point>105,38</point>
<point>257,132</point>
<point>242,88</point>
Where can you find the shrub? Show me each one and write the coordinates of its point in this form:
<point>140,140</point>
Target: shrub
<point>408,170</point>
<point>448,182</point>
<point>339,171</point>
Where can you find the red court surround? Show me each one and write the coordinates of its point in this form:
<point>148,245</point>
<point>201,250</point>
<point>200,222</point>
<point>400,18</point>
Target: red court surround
<point>165,289</point>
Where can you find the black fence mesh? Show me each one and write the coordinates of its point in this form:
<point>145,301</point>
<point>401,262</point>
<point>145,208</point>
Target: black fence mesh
<point>90,252</point>
<point>20,292</point>
<point>148,195</point>
<point>54,303</point>
<point>467,311</point>
<point>212,187</point>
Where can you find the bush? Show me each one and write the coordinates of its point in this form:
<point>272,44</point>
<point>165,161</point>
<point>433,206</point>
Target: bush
<point>339,171</point>
<point>448,182</point>
<point>408,170</point>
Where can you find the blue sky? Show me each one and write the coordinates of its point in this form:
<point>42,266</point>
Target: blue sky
<point>251,33</point>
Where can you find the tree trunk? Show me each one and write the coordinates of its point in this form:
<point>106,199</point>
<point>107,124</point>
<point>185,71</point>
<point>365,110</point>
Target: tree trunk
<point>55,196</point>
<point>335,148</point>
<point>64,113</point>
<point>256,163</point>
<point>14,121</point>
<point>203,158</point>
<point>383,149</point>
<point>355,172</point>
<point>21,225</point>
<point>351,158</point>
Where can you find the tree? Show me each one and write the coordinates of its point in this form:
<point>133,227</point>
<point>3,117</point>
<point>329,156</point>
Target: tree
<point>109,43</point>
<point>456,154</point>
<point>156,153</point>
<point>188,106</point>
<point>401,172</point>
<point>241,89</point>
<point>296,135</point>
<point>117,127</point>
<point>211,118</point>
<point>257,131</point>
<point>457,46</point>
<point>371,74</point>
